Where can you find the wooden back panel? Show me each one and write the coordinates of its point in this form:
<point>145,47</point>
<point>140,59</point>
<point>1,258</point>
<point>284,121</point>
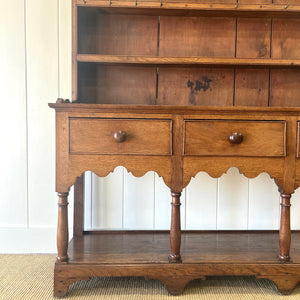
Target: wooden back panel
<point>105,33</point>
<point>197,36</point>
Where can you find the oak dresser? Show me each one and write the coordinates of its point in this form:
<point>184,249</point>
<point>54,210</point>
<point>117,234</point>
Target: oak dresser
<point>179,87</point>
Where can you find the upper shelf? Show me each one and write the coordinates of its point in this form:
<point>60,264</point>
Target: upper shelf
<point>231,8</point>
<point>205,61</point>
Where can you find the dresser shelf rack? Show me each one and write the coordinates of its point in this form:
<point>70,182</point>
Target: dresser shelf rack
<point>179,87</point>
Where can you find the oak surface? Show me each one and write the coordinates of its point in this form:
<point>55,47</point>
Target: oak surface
<point>100,136</point>
<point>212,138</point>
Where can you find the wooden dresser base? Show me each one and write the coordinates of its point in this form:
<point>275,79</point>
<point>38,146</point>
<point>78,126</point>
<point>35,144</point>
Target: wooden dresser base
<point>203,254</point>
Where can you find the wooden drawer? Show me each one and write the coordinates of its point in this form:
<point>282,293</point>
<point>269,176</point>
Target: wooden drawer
<point>97,136</point>
<point>211,137</point>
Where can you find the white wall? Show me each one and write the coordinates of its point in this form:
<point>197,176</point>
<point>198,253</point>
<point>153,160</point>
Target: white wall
<point>35,68</point>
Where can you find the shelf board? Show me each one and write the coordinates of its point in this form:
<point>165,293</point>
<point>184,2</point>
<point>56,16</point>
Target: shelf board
<point>183,8</point>
<point>196,247</point>
<point>204,61</point>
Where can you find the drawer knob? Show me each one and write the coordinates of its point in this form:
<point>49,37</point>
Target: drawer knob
<point>120,136</point>
<point>236,138</point>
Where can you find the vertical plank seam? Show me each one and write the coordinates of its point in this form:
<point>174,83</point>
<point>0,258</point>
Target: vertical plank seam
<point>271,45</point>
<point>236,33</point>
<point>234,79</point>
<point>235,52</point>
<point>157,53</point>
<point>269,87</point>
<point>26,111</point>
<point>158,35</point>
<point>271,38</point>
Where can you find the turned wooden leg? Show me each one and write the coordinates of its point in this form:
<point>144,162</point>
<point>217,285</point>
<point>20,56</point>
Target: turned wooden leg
<point>175,232</point>
<point>285,228</point>
<point>62,228</point>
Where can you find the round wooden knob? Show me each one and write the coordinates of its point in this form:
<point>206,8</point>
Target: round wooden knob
<point>236,138</point>
<point>120,136</point>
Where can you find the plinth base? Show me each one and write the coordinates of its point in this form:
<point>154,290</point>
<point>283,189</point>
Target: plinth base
<point>203,254</point>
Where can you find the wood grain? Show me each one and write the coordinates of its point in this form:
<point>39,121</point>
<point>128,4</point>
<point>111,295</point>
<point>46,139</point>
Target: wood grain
<point>62,228</point>
<point>252,87</point>
<point>197,247</point>
<point>197,37</point>
<point>117,34</point>
<point>78,206</point>
<point>116,84</point>
<point>211,138</point>
<point>253,38</point>
<point>285,228</point>
<point>195,9</point>
<point>284,88</point>
<point>175,231</point>
<point>193,86</point>
<point>96,136</point>
<point>286,34</point>
<point>256,1</point>
<point>163,111</point>
<point>213,62</point>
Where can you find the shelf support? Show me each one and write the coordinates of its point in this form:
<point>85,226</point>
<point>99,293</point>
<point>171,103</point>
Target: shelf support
<point>285,228</point>
<point>62,228</point>
<point>175,232</point>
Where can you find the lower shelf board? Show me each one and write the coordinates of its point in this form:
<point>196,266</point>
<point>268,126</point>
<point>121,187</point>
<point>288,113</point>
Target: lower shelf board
<point>203,254</point>
<point>135,247</point>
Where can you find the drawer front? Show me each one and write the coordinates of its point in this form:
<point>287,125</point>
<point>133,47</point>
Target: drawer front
<point>120,136</point>
<point>249,138</point>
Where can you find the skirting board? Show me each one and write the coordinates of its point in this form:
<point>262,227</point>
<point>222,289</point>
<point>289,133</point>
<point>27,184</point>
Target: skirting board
<point>28,240</point>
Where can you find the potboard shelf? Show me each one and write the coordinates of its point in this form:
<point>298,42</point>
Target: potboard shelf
<point>196,247</point>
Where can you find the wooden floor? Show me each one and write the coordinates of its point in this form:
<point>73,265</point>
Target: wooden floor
<point>211,247</point>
